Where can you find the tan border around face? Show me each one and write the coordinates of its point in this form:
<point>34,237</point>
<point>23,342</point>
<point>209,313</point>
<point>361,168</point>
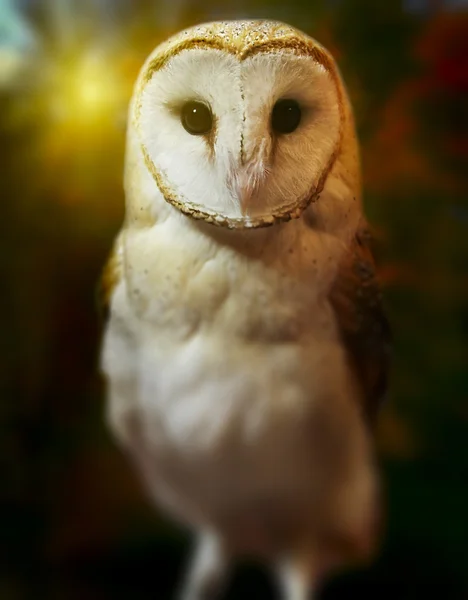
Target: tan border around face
<point>283,213</point>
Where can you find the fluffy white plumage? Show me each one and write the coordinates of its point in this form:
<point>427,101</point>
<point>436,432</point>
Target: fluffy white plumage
<point>228,380</point>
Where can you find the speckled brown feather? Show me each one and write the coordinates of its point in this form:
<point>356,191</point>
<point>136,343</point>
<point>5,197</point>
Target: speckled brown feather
<point>357,300</point>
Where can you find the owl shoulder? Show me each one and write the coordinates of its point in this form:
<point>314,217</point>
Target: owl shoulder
<point>110,277</point>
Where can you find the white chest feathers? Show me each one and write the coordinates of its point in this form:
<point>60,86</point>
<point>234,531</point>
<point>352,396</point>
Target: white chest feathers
<point>227,379</point>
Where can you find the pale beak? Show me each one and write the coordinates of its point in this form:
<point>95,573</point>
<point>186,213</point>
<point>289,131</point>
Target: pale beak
<point>246,177</point>
<point>245,194</point>
<point>244,191</point>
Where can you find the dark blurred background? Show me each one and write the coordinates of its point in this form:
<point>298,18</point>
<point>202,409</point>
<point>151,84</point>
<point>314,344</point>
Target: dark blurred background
<point>73,521</point>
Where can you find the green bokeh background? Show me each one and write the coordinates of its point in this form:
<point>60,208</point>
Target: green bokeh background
<point>73,520</point>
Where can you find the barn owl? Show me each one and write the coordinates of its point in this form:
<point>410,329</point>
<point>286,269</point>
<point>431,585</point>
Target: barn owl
<point>245,347</point>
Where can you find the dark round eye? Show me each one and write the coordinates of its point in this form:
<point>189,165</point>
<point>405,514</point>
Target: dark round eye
<point>286,116</point>
<point>196,118</point>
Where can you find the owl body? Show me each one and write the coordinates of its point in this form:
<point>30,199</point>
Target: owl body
<point>230,382</point>
<point>215,386</point>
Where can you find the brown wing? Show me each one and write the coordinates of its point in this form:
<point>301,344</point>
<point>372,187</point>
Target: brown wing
<point>110,276</point>
<point>357,300</point>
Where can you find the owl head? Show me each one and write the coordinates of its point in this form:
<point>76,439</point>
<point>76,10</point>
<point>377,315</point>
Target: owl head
<point>242,124</point>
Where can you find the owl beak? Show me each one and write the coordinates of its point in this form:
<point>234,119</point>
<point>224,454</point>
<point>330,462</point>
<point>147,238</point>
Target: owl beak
<point>244,192</point>
<point>251,173</point>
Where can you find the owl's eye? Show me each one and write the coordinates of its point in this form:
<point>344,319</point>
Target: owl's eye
<point>286,116</point>
<point>196,118</point>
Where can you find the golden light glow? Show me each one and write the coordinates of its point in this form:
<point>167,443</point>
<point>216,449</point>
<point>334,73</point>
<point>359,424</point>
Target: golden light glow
<point>85,90</point>
<point>81,112</point>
